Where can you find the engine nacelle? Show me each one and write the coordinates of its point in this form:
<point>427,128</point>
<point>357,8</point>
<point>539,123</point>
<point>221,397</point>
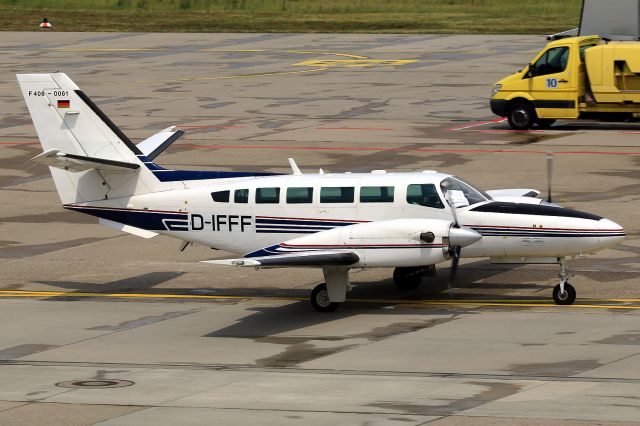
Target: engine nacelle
<point>389,243</point>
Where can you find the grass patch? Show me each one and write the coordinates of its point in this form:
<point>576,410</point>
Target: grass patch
<point>343,16</point>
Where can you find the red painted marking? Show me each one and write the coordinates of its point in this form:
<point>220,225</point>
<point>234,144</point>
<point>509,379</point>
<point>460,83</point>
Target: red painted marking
<point>544,229</point>
<point>208,127</point>
<point>476,124</point>
<point>356,128</point>
<point>18,143</point>
<point>508,131</point>
<point>358,245</point>
<point>338,148</point>
<point>307,218</point>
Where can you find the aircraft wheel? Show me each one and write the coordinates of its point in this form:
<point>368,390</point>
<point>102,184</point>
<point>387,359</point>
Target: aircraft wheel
<point>408,278</point>
<point>545,123</point>
<point>521,116</point>
<point>567,298</point>
<point>320,299</point>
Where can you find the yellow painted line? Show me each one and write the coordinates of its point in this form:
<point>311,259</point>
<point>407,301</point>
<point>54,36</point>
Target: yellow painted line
<point>225,77</point>
<point>16,293</point>
<point>353,62</point>
<point>604,303</point>
<point>311,52</point>
<point>304,52</point>
<point>105,49</point>
<point>232,50</point>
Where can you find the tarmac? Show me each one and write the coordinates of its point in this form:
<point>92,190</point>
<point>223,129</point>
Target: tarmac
<point>104,327</point>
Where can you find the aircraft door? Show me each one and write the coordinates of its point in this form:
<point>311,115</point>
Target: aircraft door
<point>553,84</point>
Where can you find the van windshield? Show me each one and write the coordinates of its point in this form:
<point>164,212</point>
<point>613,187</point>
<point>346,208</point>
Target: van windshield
<point>473,196</point>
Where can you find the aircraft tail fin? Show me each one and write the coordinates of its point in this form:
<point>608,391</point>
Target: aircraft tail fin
<point>90,157</point>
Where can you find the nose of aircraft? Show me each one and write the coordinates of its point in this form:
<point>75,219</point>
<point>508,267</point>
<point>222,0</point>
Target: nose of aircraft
<point>610,232</point>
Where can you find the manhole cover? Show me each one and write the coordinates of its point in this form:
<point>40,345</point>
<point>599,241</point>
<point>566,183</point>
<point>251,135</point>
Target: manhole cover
<point>95,384</point>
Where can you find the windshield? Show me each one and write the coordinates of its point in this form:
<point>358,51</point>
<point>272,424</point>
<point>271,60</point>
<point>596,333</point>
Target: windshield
<point>472,195</point>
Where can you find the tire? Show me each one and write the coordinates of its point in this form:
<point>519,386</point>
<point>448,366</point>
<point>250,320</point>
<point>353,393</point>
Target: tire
<point>320,299</point>
<point>408,278</point>
<point>521,116</point>
<point>568,298</point>
<point>545,123</point>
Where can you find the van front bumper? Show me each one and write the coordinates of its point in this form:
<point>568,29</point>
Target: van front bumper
<point>499,107</point>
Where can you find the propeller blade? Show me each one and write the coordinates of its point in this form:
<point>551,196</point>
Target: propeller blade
<point>455,217</point>
<point>455,258</point>
<point>549,174</point>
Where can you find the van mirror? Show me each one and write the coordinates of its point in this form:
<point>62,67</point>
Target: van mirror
<point>531,72</point>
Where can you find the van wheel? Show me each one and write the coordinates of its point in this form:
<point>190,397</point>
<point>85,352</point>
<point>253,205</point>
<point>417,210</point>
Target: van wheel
<point>545,123</point>
<point>521,116</point>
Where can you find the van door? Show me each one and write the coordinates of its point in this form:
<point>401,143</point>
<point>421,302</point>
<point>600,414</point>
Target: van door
<point>553,85</point>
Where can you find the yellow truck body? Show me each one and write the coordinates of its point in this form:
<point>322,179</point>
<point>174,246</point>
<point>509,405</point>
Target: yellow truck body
<point>572,78</point>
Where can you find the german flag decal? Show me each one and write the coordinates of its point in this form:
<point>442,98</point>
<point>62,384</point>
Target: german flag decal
<point>64,103</point>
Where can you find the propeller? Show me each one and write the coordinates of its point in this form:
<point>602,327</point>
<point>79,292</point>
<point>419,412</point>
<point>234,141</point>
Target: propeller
<point>459,236</point>
<point>549,174</point>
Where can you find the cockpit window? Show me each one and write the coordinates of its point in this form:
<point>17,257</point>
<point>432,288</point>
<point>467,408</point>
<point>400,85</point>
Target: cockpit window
<point>424,195</point>
<point>472,195</point>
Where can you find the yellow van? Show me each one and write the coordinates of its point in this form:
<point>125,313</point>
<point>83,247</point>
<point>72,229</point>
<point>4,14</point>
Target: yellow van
<point>572,78</point>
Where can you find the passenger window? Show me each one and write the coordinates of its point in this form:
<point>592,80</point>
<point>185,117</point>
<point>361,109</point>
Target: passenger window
<point>299,195</point>
<point>551,62</point>
<point>220,196</point>
<point>336,194</point>
<point>376,194</point>
<point>241,196</point>
<point>424,195</point>
<point>267,195</point>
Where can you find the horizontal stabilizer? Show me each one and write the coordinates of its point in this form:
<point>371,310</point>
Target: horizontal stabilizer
<point>314,258</point>
<point>154,145</point>
<point>81,163</point>
<point>127,228</point>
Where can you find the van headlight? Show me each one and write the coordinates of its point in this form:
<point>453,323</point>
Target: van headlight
<point>496,89</point>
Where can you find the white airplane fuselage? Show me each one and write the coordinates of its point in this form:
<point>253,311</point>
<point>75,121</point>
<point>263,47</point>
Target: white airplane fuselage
<point>248,226</point>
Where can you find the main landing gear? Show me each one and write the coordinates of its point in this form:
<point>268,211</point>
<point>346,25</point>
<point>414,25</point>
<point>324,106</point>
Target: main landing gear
<point>320,299</point>
<point>564,293</point>
<point>409,278</point>
<point>326,297</point>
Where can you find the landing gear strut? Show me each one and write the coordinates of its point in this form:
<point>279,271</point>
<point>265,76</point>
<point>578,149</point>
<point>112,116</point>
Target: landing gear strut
<point>564,293</point>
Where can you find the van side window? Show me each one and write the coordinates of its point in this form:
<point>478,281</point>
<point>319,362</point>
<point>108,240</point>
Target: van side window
<point>424,195</point>
<point>583,48</point>
<point>241,196</point>
<point>336,194</point>
<point>376,194</point>
<point>299,195</point>
<point>552,61</point>
<point>267,195</point>
<point>220,196</point>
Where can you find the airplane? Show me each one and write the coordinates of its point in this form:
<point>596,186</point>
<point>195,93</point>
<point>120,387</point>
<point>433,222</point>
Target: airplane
<point>333,221</point>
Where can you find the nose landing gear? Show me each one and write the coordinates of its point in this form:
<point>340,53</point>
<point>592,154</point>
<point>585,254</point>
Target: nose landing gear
<point>564,293</point>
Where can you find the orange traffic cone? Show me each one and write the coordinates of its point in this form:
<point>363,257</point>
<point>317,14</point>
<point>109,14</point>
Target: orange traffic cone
<point>45,25</point>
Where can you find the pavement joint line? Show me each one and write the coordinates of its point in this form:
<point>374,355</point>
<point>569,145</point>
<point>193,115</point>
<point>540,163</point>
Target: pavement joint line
<point>603,303</point>
<point>323,371</point>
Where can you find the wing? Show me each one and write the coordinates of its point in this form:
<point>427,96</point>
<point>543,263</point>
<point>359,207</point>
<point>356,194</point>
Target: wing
<point>516,192</point>
<point>314,258</point>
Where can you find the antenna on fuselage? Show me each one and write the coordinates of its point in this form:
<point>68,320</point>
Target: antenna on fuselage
<point>294,167</point>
